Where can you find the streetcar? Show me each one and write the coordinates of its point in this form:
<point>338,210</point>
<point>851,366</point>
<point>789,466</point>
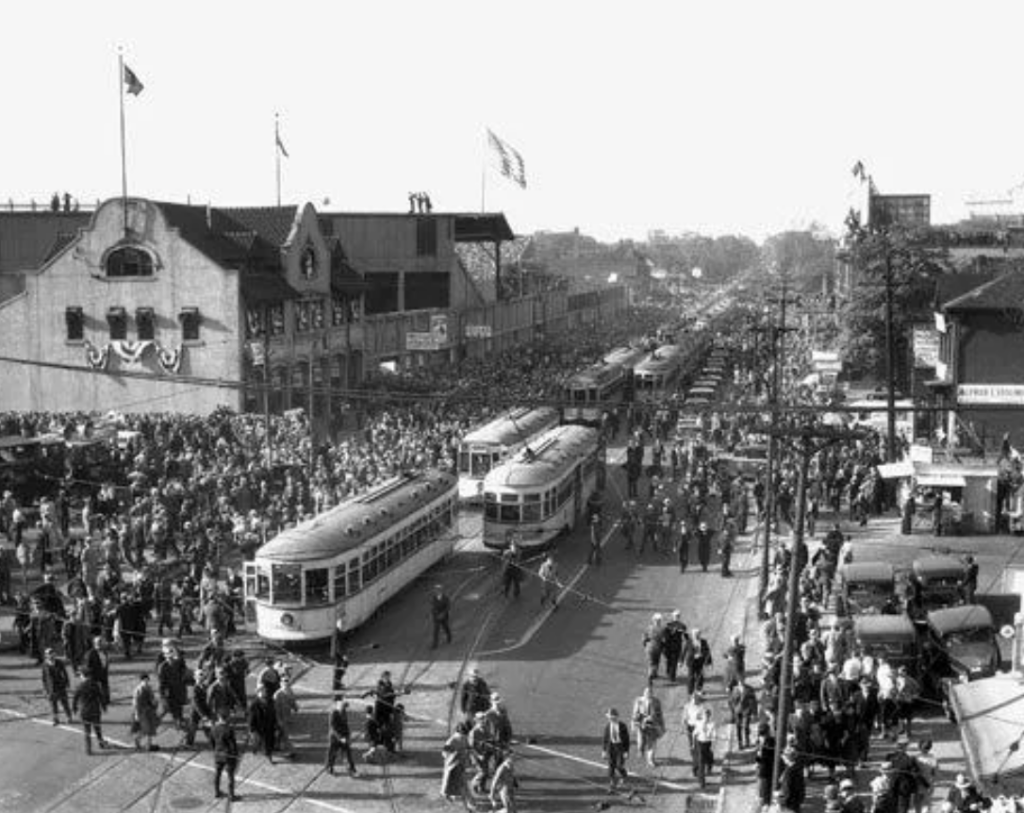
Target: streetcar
<point>542,491</point>
<point>589,392</point>
<point>347,562</point>
<point>486,446</point>
<point>656,376</point>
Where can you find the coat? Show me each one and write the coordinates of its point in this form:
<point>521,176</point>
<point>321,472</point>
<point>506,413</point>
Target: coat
<point>224,743</point>
<point>89,701</point>
<point>144,711</point>
<point>613,749</point>
<point>55,678</point>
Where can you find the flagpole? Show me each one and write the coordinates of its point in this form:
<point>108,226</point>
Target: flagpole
<point>277,153</point>
<point>124,162</point>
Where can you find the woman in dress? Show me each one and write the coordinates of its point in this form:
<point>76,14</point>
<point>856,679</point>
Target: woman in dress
<point>145,716</point>
<point>456,759</point>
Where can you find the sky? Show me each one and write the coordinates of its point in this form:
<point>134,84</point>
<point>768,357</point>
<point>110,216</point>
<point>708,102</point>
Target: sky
<point>715,117</point>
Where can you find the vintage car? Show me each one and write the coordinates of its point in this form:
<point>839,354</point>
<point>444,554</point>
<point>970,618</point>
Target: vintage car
<point>960,645</point>
<point>935,582</point>
<point>867,588</point>
<point>892,638</point>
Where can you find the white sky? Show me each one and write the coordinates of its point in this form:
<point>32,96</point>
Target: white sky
<point>712,116</point>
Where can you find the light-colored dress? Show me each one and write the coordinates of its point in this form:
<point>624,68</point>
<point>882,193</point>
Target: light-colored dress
<point>456,758</point>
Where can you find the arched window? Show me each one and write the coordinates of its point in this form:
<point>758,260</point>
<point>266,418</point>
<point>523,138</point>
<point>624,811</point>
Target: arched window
<point>129,262</point>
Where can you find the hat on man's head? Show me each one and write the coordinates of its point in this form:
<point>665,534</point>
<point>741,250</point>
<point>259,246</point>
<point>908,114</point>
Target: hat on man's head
<point>612,714</point>
<point>847,784</point>
<point>962,781</point>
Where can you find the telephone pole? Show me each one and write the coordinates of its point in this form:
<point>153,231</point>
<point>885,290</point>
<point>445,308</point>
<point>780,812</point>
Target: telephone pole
<point>812,439</point>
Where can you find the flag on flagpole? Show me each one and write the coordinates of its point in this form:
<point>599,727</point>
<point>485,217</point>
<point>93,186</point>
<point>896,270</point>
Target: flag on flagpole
<point>858,171</point>
<point>510,162</point>
<point>280,143</point>
<point>134,86</point>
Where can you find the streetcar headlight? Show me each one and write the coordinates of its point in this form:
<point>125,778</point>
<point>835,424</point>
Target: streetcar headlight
<point>287,620</point>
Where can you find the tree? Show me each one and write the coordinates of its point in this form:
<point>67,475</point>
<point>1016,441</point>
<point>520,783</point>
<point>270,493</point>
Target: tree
<point>806,257</point>
<point>914,263</point>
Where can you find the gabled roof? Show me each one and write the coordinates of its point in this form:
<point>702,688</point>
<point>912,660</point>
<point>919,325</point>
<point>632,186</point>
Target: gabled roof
<point>223,237</point>
<point>272,223</point>
<point>1005,291</point>
<point>27,239</point>
<point>952,286</point>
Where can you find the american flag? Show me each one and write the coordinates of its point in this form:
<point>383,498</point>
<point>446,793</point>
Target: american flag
<point>510,162</point>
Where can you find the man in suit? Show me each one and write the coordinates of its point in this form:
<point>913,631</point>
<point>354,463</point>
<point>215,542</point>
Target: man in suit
<point>225,755</point>
<point>616,749</point>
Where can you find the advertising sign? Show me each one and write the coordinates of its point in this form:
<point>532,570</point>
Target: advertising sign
<point>439,327</point>
<point>991,394</point>
<point>421,341</point>
<point>478,331</point>
<point>926,347</point>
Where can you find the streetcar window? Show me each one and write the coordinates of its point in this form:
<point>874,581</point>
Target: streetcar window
<point>394,551</point>
<point>481,464</point>
<point>316,586</point>
<point>531,508</point>
<point>287,583</point>
<point>408,542</point>
<point>353,576</point>
<point>339,582</point>
<point>490,505</point>
<point>510,508</point>
<point>463,461</point>
<point>262,585</point>
<point>549,502</point>
<point>564,492</point>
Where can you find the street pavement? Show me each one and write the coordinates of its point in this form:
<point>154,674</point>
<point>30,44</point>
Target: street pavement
<point>557,671</point>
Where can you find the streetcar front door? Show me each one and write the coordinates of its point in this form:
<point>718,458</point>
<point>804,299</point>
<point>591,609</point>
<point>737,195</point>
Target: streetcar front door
<point>250,592</point>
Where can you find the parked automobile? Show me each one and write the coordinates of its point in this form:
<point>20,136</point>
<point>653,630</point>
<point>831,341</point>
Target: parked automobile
<point>893,638</point>
<point>867,588</point>
<point>935,582</point>
<point>960,645</point>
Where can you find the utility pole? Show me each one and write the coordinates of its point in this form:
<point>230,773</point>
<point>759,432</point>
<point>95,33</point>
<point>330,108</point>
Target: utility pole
<point>267,385</point>
<point>808,448</point>
<point>890,362</point>
<point>778,348</point>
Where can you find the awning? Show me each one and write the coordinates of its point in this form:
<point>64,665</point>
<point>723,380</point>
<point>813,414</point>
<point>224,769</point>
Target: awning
<point>989,712</point>
<point>941,480</point>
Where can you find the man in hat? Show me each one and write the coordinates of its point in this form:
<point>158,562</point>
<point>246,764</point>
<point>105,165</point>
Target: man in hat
<point>504,784</point>
<point>440,608</point>
<point>340,738</point>
<point>548,573</point>
<point>225,756</point>
<point>672,645</point>
<point>56,683</point>
<point>849,801</point>
<point>285,708</point>
<point>697,657</point>
<point>511,568</point>
<point>792,789</point>
<point>475,695</point>
<point>616,749</point>
<point>704,536</point>
<point>89,703</point>
<point>907,692</point>
<point>903,773</point>
<point>765,759</point>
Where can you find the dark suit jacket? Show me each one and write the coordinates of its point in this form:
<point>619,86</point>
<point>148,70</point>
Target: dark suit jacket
<point>622,746</point>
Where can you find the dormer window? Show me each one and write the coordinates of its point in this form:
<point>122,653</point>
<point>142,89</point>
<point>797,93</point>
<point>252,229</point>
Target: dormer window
<point>117,320</point>
<point>145,324</point>
<point>307,263</point>
<point>129,261</point>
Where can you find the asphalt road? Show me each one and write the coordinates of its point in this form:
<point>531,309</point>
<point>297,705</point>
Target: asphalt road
<point>557,672</point>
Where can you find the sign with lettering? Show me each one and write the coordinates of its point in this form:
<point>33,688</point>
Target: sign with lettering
<point>991,394</point>
<point>478,331</point>
<point>421,341</point>
<point>926,347</point>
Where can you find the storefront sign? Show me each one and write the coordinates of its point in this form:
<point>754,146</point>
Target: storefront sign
<point>478,332</point>
<point>421,341</point>
<point>991,394</point>
<point>926,347</point>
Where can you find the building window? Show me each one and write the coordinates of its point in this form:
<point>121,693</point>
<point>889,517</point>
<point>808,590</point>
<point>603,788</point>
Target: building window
<point>129,262</point>
<point>189,318</point>
<point>309,315</point>
<point>276,311</point>
<point>426,237</point>
<point>339,310</point>
<point>117,319</point>
<point>307,263</point>
<point>145,324</point>
<point>75,323</point>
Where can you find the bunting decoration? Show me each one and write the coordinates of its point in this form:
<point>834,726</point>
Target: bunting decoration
<point>170,358</point>
<point>95,357</point>
<point>131,352</point>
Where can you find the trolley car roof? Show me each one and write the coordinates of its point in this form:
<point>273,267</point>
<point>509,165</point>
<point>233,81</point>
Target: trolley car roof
<point>513,426</point>
<point>350,524</point>
<point>549,456</point>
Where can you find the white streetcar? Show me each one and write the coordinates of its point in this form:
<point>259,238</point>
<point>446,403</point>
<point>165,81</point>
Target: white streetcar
<point>486,446</point>
<point>346,562</point>
<point>542,491</point>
